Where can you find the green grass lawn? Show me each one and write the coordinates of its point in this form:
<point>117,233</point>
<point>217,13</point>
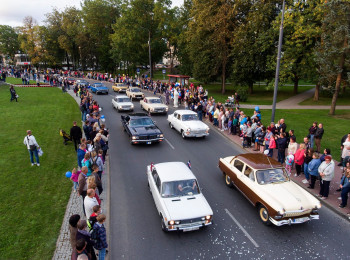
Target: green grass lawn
<point>34,199</point>
<point>11,80</point>
<point>343,100</point>
<point>335,127</point>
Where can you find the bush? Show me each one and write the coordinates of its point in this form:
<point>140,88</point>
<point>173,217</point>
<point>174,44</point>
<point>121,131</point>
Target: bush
<point>242,92</point>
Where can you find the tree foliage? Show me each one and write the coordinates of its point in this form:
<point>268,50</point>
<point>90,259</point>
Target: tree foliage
<point>9,43</point>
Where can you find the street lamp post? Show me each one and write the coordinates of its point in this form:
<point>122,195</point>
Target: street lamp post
<point>278,66</point>
<point>149,54</point>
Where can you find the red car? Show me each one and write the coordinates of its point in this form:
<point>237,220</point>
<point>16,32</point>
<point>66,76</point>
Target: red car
<point>71,81</point>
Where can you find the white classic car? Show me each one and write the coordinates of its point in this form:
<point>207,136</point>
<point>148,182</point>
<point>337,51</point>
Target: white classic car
<point>266,184</point>
<point>153,105</point>
<point>178,198</point>
<point>122,103</point>
<point>188,124</point>
<point>134,93</point>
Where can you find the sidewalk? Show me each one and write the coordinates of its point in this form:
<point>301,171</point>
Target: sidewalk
<point>332,202</point>
<point>63,248</point>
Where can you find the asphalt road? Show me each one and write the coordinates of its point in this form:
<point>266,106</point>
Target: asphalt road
<point>237,232</point>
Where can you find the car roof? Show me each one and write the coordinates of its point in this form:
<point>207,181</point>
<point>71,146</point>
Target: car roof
<point>174,171</point>
<point>187,112</point>
<point>258,161</point>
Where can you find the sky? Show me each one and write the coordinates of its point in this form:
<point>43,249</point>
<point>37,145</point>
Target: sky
<point>12,12</point>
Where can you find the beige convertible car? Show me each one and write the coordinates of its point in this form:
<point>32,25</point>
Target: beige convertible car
<point>266,184</point>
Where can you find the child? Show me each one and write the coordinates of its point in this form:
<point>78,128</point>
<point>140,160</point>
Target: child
<point>89,146</point>
<point>92,219</point>
<point>229,125</point>
<point>289,162</point>
<point>100,154</point>
<point>74,178</point>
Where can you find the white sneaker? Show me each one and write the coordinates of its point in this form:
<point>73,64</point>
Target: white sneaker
<point>305,181</point>
<point>339,198</point>
<point>38,164</point>
<point>295,175</point>
<point>33,164</point>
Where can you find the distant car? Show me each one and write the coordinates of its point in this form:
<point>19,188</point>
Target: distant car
<point>141,129</point>
<point>134,93</point>
<point>71,81</point>
<point>122,103</point>
<point>120,87</point>
<point>153,105</point>
<point>99,88</point>
<point>82,83</point>
<point>187,123</point>
<point>179,201</point>
<point>266,184</point>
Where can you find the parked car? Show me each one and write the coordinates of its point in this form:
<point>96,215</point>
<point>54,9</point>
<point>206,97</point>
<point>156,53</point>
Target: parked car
<point>141,129</point>
<point>71,81</point>
<point>120,87</point>
<point>179,201</point>
<point>188,124</point>
<point>134,93</point>
<point>81,82</point>
<point>266,184</point>
<point>122,103</point>
<point>99,88</point>
<point>153,105</point>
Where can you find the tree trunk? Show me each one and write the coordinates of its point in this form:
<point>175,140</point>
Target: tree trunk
<point>250,88</point>
<point>338,81</point>
<point>317,92</point>
<point>223,77</point>
<point>296,84</point>
<point>67,57</point>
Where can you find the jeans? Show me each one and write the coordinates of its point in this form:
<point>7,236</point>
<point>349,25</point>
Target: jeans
<point>312,141</point>
<point>200,115</point>
<point>102,254</point>
<point>324,191</point>
<point>83,116</point>
<point>35,152</point>
<point>216,123</point>
<point>344,195</point>
<point>281,156</point>
<point>270,152</point>
<point>306,171</point>
<point>76,185</point>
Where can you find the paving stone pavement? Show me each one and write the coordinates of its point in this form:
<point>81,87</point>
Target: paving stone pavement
<point>63,248</point>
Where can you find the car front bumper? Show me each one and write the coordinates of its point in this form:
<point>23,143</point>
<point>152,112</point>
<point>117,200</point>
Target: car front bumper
<point>102,92</point>
<point>138,97</point>
<point>189,227</point>
<point>196,134</point>
<point>291,221</point>
<point>149,141</point>
<point>125,108</point>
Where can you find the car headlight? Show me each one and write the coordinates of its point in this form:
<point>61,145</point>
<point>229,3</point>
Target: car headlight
<point>161,136</point>
<point>152,109</point>
<point>132,106</point>
<point>208,217</point>
<point>177,222</point>
<point>135,137</point>
<point>166,109</point>
<point>188,130</point>
<point>171,222</point>
<point>207,131</point>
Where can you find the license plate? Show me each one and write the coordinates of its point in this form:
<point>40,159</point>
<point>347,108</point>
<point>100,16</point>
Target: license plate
<point>190,229</point>
<point>149,142</point>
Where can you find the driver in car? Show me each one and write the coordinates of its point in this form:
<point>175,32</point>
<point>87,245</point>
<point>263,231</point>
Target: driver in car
<point>186,187</point>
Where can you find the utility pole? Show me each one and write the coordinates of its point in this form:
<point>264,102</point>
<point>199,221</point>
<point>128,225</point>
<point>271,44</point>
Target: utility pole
<point>150,55</point>
<point>278,66</point>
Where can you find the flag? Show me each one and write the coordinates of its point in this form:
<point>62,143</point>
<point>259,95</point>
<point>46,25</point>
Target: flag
<point>189,164</point>
<point>152,166</point>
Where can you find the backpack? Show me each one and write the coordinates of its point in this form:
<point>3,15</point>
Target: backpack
<point>94,234</point>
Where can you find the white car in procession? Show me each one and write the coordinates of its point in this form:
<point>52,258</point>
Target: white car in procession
<point>153,105</point>
<point>178,198</point>
<point>122,103</point>
<point>188,124</point>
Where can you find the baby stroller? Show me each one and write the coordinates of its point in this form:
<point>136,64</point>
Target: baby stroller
<point>66,137</point>
<point>230,102</point>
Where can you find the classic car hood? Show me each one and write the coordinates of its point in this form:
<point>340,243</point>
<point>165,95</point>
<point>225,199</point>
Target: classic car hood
<point>158,105</point>
<point>289,196</point>
<point>187,207</point>
<point>145,130</point>
<point>124,103</point>
<point>101,88</point>
<point>195,125</point>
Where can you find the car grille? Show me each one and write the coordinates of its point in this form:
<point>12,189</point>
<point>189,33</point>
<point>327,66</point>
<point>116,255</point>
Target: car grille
<point>191,221</point>
<point>159,109</point>
<point>147,137</point>
<point>126,107</point>
<point>298,213</point>
<point>198,132</point>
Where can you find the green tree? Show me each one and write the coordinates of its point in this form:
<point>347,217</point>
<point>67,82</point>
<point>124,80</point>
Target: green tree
<point>9,43</point>
<point>333,50</point>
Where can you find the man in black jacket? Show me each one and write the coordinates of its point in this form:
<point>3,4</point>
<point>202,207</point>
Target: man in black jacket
<point>76,135</point>
<point>318,137</point>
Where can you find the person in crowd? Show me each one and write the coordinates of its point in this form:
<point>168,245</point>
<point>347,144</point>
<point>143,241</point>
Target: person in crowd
<point>267,138</point>
<point>313,169</point>
<point>76,134</point>
<point>326,171</point>
<point>281,146</point>
<point>291,134</point>
<point>292,146</point>
<point>73,221</point>
<point>281,126</point>
<point>345,188</point>
<point>307,144</point>
<point>326,152</point>
<point>87,129</point>
<point>237,98</point>
<point>308,157</point>
<point>82,233</point>
<point>89,202</point>
<point>92,219</point>
<point>98,181</point>
<point>272,145</point>
<point>345,155</point>
<point>318,137</point>
<point>259,138</point>
<point>312,132</point>
<point>248,135</point>
<point>86,162</point>
<point>82,180</point>
<point>216,116</point>
<point>289,162</point>
<point>79,250</point>
<point>95,159</point>
<point>101,244</point>
<point>13,94</point>
<point>299,157</point>
<point>81,154</point>
<point>32,147</point>
<point>74,178</point>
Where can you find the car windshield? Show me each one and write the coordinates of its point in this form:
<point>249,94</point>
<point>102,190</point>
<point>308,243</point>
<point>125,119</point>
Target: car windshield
<point>121,85</point>
<point>141,122</point>
<point>155,101</point>
<point>189,117</point>
<point>135,90</point>
<point>122,99</point>
<point>180,188</point>
<point>98,84</point>
<point>271,176</point>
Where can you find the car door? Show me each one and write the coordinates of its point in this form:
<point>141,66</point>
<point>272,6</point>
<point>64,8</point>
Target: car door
<point>178,123</point>
<point>247,180</point>
<point>155,185</point>
<point>237,167</point>
<point>172,118</point>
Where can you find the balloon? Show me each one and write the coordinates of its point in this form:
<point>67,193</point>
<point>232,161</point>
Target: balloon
<point>266,152</point>
<point>99,109</point>
<point>256,108</point>
<point>68,174</point>
<point>102,117</point>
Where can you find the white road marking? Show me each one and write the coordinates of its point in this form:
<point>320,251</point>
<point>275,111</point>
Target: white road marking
<point>242,228</point>
<point>169,143</point>
<point>110,95</point>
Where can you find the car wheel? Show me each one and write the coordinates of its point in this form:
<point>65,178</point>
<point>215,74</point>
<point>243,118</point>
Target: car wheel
<point>171,125</point>
<point>264,215</point>
<point>228,181</point>
<point>183,134</point>
<point>163,224</point>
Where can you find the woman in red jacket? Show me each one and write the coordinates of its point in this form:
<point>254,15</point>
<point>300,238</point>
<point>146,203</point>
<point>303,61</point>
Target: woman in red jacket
<point>272,145</point>
<point>299,158</point>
